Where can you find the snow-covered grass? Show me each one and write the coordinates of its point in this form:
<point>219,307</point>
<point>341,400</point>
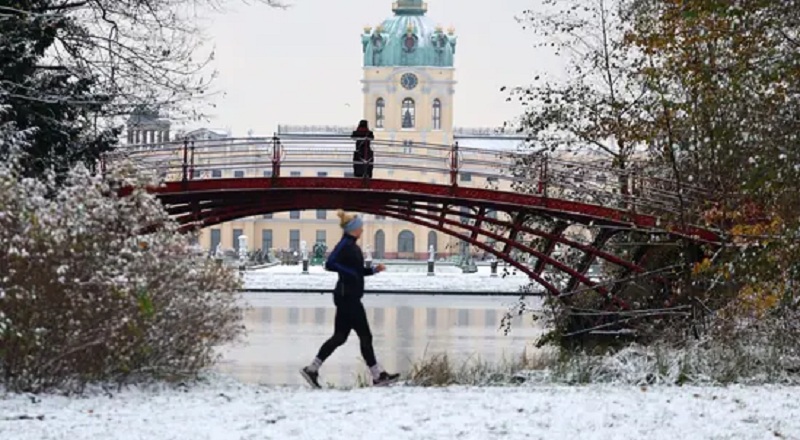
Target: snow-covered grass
<point>225,410</point>
<point>448,278</point>
<point>697,363</point>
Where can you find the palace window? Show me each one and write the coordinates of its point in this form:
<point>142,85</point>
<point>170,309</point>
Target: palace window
<point>465,212</point>
<point>380,107</point>
<point>405,242</point>
<point>266,239</point>
<point>409,113</point>
<point>380,244</point>
<point>216,239</point>
<point>433,240</point>
<point>437,114</point>
<point>236,234</point>
<point>294,240</point>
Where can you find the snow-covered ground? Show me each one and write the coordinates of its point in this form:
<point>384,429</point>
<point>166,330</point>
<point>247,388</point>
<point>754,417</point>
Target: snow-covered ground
<point>448,278</point>
<point>229,411</point>
<point>225,409</point>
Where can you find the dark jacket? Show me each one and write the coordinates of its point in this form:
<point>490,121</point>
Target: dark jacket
<point>347,260</point>
<point>363,140</point>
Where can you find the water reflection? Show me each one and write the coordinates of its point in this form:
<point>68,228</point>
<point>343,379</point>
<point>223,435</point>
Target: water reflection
<point>285,331</point>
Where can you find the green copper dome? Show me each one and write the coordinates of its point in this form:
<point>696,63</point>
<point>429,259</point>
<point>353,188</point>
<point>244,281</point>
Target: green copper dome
<point>408,39</point>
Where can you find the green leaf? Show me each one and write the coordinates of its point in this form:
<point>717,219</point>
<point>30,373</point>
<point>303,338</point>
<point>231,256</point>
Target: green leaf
<point>690,13</point>
<point>145,304</point>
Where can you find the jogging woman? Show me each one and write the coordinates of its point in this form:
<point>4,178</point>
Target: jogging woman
<point>347,260</point>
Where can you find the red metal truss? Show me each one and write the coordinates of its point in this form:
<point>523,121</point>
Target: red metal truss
<point>204,203</point>
<point>573,211</point>
<point>221,210</point>
<point>551,242</point>
<point>589,257</point>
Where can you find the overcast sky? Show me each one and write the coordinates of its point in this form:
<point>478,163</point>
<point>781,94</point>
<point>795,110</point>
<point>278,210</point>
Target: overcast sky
<point>303,65</point>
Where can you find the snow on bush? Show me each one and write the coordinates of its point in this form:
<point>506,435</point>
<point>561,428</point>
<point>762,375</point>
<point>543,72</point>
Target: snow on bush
<point>755,353</point>
<point>85,297</point>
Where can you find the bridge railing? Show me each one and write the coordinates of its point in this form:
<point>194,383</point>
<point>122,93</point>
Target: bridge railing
<point>457,165</point>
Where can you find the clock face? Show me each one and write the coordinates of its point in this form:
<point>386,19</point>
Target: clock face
<point>409,81</point>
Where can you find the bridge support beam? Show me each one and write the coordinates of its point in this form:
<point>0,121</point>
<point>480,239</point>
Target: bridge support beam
<point>588,257</point>
<point>550,244</point>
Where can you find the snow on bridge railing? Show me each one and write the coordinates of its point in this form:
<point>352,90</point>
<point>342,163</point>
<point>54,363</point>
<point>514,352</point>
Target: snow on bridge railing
<point>546,175</point>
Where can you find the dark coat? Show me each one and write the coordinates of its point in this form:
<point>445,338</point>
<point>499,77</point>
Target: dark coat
<point>348,261</point>
<point>363,140</point>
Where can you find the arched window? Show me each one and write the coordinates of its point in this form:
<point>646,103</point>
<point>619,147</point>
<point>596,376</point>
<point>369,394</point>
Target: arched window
<point>433,241</point>
<point>380,245</point>
<point>380,107</point>
<point>409,113</point>
<point>437,114</point>
<point>405,244</point>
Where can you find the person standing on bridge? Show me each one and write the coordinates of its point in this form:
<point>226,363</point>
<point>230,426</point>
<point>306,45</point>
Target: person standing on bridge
<point>348,261</point>
<point>363,157</point>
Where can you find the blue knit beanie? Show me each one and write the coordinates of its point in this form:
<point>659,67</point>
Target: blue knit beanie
<point>353,224</point>
<point>349,222</point>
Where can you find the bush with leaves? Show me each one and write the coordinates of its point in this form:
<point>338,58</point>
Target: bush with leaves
<point>85,297</point>
<point>709,93</point>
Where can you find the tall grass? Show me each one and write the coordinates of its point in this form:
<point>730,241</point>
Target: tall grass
<point>442,370</point>
<point>701,363</point>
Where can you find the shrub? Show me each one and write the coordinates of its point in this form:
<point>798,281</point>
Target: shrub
<point>745,352</point>
<point>441,370</point>
<point>86,297</point>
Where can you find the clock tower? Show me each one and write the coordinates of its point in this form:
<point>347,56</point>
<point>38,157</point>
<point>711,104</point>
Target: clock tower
<point>408,79</point>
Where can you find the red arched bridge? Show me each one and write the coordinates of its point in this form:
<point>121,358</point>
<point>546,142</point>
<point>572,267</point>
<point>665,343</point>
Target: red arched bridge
<point>551,218</point>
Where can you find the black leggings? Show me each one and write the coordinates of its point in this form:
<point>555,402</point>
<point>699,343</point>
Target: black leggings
<point>350,317</point>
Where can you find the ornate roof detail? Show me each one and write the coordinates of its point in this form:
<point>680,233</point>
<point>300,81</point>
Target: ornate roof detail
<point>409,38</point>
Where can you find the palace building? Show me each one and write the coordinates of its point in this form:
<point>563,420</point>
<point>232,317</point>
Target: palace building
<point>409,86</point>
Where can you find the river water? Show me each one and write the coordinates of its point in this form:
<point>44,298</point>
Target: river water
<point>286,330</point>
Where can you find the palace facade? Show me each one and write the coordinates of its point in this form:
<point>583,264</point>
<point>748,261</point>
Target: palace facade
<point>408,98</point>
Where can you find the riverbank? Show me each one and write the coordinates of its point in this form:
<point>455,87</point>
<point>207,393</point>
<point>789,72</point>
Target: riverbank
<point>227,410</point>
<point>397,277</point>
